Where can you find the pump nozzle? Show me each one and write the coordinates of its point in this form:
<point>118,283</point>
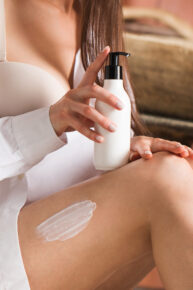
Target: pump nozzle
<point>114,70</point>
<point>114,57</point>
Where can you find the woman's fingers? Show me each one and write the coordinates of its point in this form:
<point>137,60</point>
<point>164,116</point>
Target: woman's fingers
<point>92,114</point>
<point>187,153</point>
<point>145,146</point>
<point>159,144</point>
<point>80,126</point>
<point>134,156</point>
<point>184,153</point>
<point>142,145</point>
<point>92,71</point>
<point>74,98</point>
<point>95,91</point>
<point>88,123</point>
<point>190,152</point>
<point>144,150</point>
<point>77,101</point>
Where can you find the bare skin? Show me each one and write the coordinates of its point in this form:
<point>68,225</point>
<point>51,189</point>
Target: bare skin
<point>41,33</point>
<point>143,218</point>
<point>144,209</point>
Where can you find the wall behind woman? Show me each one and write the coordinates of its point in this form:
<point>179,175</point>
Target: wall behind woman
<point>181,8</point>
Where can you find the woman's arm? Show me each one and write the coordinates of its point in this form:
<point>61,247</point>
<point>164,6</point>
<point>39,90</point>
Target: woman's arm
<point>28,138</point>
<point>25,140</point>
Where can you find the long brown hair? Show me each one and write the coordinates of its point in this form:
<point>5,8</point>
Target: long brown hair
<point>102,24</point>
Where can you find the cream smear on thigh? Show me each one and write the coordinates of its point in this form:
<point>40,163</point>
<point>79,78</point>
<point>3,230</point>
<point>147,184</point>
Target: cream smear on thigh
<point>68,222</point>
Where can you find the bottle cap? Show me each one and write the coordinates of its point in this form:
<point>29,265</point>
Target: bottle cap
<point>114,70</point>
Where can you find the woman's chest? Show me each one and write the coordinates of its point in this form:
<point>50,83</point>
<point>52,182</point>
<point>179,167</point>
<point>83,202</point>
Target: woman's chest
<point>43,36</point>
<point>41,52</point>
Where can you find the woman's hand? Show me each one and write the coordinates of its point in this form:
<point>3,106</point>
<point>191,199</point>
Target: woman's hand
<point>73,111</point>
<point>143,147</point>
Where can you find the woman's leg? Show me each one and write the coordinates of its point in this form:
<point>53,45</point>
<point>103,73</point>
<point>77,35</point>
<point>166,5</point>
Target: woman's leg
<point>168,171</point>
<point>141,201</point>
<point>172,231</point>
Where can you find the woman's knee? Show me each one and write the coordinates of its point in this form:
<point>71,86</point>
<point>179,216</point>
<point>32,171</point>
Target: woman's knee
<point>169,170</point>
<point>162,176</point>
<point>172,184</point>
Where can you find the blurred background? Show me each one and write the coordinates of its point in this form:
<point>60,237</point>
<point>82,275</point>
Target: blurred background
<point>159,35</point>
<point>181,8</point>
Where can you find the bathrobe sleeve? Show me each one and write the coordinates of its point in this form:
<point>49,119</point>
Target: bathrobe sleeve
<point>25,140</point>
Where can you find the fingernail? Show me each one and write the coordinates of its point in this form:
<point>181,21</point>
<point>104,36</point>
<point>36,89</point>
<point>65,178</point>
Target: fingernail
<point>99,138</point>
<point>148,152</point>
<point>105,48</point>
<point>178,145</point>
<point>119,105</point>
<point>112,127</point>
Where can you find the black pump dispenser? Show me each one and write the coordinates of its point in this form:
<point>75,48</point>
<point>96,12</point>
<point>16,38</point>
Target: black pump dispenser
<point>114,70</point>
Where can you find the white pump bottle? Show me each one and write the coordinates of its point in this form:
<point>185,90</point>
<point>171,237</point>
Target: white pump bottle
<point>113,152</point>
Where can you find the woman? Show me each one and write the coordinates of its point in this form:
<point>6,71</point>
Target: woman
<point>143,211</point>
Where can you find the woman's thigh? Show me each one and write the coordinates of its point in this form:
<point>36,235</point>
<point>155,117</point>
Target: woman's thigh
<point>122,278</point>
<point>116,237</point>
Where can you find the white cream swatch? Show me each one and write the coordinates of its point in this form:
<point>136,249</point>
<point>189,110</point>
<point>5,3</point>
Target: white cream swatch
<point>68,222</point>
